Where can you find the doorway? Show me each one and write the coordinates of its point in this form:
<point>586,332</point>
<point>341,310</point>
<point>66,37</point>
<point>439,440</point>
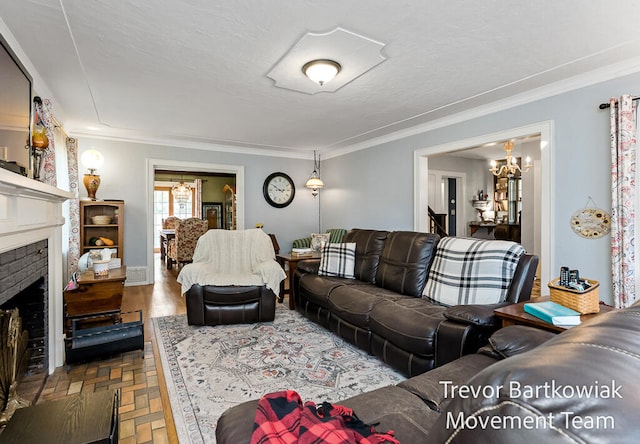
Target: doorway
<point>446,196</point>
<point>154,165</point>
<point>543,219</point>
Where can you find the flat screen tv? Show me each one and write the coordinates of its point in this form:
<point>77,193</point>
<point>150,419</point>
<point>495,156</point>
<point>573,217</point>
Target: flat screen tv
<point>15,109</point>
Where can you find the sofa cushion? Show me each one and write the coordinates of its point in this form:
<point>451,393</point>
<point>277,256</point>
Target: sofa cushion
<point>435,386</point>
<point>316,288</point>
<point>410,323</point>
<point>472,271</point>
<point>353,304</point>
<point>393,408</point>
<point>405,260</point>
<point>369,244</point>
<point>338,260</point>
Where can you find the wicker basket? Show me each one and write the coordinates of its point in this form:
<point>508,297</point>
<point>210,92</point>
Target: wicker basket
<point>583,302</point>
<point>101,220</point>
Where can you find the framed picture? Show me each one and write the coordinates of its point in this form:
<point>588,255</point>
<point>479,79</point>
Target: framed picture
<point>212,213</point>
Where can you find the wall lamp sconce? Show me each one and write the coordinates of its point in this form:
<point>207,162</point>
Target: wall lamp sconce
<point>314,182</point>
<point>321,71</point>
<point>92,159</point>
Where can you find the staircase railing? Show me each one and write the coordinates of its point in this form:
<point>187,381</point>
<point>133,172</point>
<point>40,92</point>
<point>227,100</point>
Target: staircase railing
<point>437,223</point>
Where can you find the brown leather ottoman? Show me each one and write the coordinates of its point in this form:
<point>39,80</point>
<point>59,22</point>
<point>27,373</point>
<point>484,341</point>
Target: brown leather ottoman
<point>219,305</point>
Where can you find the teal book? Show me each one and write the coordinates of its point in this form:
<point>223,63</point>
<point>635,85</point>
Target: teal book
<point>553,313</point>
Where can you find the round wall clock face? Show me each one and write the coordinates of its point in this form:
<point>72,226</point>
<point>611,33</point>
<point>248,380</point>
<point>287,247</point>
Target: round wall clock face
<point>278,190</point>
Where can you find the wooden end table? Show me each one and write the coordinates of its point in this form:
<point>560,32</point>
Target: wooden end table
<point>292,260</point>
<point>515,315</point>
<point>94,295</point>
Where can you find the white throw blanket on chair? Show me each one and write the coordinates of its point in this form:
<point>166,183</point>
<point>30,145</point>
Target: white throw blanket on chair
<point>233,257</point>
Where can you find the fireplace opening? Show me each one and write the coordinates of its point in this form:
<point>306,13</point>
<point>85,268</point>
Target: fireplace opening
<point>24,283</point>
<point>31,305</point>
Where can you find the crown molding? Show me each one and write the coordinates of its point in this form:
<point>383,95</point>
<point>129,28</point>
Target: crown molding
<point>590,78</point>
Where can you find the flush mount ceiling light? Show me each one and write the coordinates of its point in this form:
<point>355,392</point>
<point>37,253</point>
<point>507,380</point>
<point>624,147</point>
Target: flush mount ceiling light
<point>357,55</point>
<point>321,71</point>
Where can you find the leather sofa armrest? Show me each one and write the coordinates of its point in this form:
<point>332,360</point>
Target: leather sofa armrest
<point>195,305</point>
<point>465,329</point>
<point>515,339</point>
<point>480,316</point>
<point>235,425</point>
<point>308,266</point>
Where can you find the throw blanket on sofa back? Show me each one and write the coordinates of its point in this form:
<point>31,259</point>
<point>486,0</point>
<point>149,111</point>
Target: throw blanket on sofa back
<point>233,257</point>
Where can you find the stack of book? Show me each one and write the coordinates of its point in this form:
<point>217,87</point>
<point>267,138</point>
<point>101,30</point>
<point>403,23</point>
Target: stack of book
<point>553,313</point>
<point>301,252</point>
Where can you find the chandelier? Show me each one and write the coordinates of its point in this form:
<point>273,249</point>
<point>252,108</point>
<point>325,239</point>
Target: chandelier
<point>181,193</point>
<point>510,167</point>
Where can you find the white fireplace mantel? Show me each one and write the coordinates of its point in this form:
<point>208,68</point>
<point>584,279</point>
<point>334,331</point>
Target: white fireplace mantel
<point>31,211</point>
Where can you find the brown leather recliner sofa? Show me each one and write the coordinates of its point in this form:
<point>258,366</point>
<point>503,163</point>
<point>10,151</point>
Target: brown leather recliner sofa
<point>382,310</point>
<point>526,385</point>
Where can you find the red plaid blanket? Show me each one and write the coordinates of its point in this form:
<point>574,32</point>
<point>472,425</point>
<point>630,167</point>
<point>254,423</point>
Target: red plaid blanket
<point>282,418</point>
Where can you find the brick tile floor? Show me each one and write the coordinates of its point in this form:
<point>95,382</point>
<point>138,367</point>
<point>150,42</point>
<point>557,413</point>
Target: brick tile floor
<point>141,414</point>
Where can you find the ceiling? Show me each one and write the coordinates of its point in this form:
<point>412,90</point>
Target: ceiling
<point>194,72</point>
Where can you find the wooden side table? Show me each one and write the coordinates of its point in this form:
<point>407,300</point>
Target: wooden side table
<point>94,295</point>
<point>292,261</point>
<point>515,315</point>
<point>85,418</point>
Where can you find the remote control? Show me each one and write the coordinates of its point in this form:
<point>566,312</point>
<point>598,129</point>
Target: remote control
<point>564,276</point>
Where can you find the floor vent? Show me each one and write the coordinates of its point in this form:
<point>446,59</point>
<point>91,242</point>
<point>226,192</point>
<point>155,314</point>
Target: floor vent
<point>136,275</point>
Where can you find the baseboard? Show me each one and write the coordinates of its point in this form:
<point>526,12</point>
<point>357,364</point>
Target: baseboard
<point>136,276</point>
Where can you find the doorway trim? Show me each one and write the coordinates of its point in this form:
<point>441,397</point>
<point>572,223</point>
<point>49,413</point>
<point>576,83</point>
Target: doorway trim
<point>461,185</point>
<point>545,129</point>
<point>154,164</point>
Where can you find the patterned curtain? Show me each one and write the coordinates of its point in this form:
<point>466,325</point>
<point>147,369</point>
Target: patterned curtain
<point>623,198</point>
<point>197,211</point>
<point>74,206</point>
<point>44,117</point>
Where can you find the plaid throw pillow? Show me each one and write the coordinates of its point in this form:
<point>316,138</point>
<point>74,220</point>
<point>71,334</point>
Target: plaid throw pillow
<point>472,271</point>
<point>338,260</point>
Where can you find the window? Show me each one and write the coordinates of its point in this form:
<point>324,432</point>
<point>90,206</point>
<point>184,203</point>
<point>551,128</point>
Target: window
<point>165,205</point>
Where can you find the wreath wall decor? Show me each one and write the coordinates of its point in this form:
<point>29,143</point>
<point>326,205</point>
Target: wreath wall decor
<point>591,222</point>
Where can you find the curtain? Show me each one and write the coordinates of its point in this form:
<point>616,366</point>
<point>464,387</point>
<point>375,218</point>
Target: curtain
<point>74,206</point>
<point>623,198</point>
<point>197,210</point>
<point>44,117</point>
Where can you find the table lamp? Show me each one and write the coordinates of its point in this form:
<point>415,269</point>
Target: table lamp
<point>92,159</point>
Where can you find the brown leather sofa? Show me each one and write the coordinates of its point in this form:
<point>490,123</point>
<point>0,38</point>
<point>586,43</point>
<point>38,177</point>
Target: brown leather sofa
<point>531,387</point>
<point>382,311</point>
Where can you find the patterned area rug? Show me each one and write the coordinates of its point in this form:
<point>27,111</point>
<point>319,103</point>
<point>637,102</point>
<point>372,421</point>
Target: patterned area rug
<point>209,369</point>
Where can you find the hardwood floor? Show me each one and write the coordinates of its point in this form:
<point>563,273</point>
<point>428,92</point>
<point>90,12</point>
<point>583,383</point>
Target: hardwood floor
<point>145,411</point>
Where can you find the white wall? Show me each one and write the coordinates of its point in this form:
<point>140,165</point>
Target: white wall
<point>383,194</point>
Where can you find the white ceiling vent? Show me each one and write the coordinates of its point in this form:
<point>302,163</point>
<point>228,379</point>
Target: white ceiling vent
<point>354,53</point>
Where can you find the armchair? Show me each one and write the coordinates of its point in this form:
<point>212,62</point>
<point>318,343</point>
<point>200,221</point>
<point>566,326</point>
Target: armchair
<point>180,249</point>
<point>335,236</point>
<point>234,278</point>
<point>170,222</point>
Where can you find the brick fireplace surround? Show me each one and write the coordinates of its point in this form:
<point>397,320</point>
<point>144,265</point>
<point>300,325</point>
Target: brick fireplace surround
<point>31,212</point>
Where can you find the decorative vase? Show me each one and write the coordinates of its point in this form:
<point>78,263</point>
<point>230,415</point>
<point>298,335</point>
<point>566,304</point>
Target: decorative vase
<point>91,183</point>
<point>39,137</point>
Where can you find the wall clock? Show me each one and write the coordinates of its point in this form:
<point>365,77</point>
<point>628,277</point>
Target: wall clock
<point>278,190</point>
